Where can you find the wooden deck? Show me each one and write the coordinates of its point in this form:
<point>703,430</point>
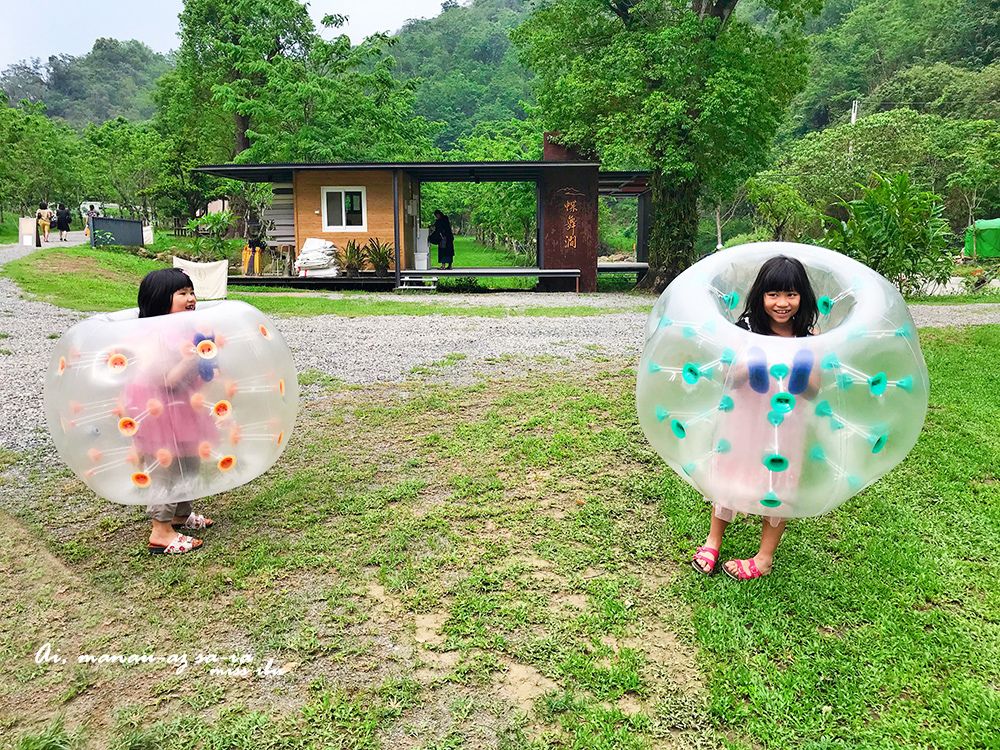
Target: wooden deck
<point>368,281</point>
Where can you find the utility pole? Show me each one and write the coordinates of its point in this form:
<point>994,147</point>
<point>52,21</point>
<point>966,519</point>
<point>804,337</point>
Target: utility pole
<point>854,119</point>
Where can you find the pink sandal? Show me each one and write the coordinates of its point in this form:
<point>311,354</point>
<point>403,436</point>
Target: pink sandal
<point>700,557</point>
<point>742,574</point>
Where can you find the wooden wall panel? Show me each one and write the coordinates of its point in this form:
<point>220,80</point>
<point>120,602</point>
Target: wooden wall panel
<point>378,196</point>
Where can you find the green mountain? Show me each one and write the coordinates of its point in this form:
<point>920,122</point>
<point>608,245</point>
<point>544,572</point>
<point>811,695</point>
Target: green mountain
<point>114,79</point>
<point>468,68</point>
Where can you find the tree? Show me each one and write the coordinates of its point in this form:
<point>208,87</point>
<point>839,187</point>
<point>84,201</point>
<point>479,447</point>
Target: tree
<point>973,157</point>
<point>957,158</point>
<point>467,67</point>
<point>504,211</point>
<point>194,131</point>
<point>41,158</point>
<point>686,90</point>
<point>236,47</point>
<point>114,79</point>
<point>340,104</point>
<point>781,208</point>
<point>125,164</point>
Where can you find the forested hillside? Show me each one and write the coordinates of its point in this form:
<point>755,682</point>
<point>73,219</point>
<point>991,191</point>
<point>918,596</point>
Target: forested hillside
<point>114,79</point>
<point>468,68</point>
<point>764,97</point>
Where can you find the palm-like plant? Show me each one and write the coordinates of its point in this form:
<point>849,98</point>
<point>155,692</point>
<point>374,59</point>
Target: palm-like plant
<point>352,257</point>
<point>380,255</point>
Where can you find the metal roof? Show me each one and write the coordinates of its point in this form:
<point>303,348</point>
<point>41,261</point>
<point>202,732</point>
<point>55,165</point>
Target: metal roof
<point>610,183</point>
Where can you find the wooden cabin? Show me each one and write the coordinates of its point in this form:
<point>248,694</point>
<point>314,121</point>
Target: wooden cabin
<point>344,201</point>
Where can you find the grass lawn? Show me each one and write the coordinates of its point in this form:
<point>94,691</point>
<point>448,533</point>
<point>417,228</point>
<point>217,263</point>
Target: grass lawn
<point>505,564</point>
<point>95,280</point>
<point>8,228</point>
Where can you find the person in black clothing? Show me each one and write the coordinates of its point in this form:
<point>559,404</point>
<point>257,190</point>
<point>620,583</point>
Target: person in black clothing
<point>446,240</point>
<point>63,218</point>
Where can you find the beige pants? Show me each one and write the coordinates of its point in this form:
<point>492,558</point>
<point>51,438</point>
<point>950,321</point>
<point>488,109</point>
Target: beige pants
<point>168,512</point>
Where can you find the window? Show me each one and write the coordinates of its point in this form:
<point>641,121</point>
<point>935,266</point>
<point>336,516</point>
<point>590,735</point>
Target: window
<point>344,209</point>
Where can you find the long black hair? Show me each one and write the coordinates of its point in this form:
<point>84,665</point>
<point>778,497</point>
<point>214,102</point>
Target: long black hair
<point>781,274</point>
<point>156,292</point>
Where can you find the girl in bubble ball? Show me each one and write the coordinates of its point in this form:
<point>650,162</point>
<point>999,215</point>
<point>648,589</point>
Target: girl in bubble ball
<point>180,429</point>
<point>781,302</point>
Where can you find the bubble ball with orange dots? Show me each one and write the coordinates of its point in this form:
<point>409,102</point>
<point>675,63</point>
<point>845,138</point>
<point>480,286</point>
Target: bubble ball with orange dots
<point>174,407</point>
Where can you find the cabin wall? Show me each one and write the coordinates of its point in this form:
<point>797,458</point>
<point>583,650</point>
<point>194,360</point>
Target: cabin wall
<point>308,187</point>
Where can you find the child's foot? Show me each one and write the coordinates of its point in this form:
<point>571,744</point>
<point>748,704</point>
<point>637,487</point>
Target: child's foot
<point>705,559</point>
<point>745,570</point>
<point>179,545</point>
<point>193,521</point>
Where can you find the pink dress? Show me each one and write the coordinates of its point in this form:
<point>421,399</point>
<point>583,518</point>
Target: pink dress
<point>761,469</point>
<point>165,416</point>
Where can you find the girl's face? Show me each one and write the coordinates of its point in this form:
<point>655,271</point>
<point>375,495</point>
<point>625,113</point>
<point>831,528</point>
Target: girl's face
<point>781,306</point>
<point>183,299</point>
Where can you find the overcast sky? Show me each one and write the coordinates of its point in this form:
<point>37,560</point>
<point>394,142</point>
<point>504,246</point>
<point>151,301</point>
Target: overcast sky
<point>51,27</point>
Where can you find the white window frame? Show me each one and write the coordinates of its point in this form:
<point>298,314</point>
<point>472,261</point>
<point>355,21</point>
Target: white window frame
<point>364,209</point>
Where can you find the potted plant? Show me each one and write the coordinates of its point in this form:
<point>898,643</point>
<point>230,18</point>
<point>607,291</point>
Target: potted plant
<point>352,257</point>
<point>380,255</point>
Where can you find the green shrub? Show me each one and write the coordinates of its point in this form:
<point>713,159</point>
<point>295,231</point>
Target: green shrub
<point>352,257</point>
<point>896,229</point>
<point>209,236</point>
<point>380,255</point>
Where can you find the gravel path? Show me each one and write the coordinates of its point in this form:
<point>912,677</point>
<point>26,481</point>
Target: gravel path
<point>372,349</point>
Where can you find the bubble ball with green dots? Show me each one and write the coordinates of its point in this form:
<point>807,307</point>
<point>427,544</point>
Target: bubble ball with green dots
<point>787,427</point>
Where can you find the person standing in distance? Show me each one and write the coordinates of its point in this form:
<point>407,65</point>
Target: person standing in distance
<point>446,240</point>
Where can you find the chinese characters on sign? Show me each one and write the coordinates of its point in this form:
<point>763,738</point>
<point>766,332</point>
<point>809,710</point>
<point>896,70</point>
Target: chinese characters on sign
<point>571,207</point>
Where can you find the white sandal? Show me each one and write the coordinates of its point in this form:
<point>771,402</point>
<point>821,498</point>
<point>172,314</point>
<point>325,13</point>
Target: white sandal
<point>195,521</point>
<point>179,546</point>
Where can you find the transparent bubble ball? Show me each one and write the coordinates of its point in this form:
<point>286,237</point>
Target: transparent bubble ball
<point>171,408</point>
<point>781,427</point>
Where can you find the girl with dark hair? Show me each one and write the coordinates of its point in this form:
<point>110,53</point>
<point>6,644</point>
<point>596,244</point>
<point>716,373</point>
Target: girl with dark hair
<point>781,302</point>
<point>62,221</point>
<point>179,428</point>
<point>158,292</point>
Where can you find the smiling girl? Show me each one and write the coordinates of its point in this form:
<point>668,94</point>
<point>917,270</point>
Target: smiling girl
<point>781,302</point>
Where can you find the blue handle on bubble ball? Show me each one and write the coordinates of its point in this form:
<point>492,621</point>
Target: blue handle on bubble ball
<point>802,367</point>
<point>206,367</point>
<point>757,365</point>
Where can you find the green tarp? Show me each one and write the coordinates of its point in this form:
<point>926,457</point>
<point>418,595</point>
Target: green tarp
<point>987,238</point>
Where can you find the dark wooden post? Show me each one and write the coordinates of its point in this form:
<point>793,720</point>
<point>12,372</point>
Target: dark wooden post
<point>642,233</point>
<point>568,220</point>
